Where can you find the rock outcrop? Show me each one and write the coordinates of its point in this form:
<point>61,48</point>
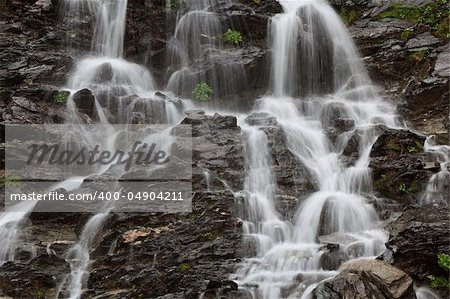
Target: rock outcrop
<point>416,238</point>
<point>367,279</point>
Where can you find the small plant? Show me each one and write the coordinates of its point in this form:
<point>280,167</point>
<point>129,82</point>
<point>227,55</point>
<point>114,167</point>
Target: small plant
<point>11,181</point>
<point>184,267</point>
<point>175,4</point>
<point>232,37</point>
<point>440,281</point>
<point>435,15</point>
<point>350,17</point>
<point>406,190</point>
<point>406,35</point>
<point>412,149</point>
<point>209,236</point>
<point>398,11</point>
<point>202,91</point>
<point>418,56</point>
<point>61,97</point>
<point>392,146</point>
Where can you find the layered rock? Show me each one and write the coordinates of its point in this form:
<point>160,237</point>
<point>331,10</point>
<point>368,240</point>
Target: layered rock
<point>367,279</point>
<point>416,238</point>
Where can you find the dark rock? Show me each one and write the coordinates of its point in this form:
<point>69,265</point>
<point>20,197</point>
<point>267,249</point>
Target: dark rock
<point>416,238</point>
<point>19,280</point>
<point>397,161</point>
<point>85,102</point>
<point>367,279</point>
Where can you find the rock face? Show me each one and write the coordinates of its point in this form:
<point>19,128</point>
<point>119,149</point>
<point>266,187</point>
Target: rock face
<point>408,61</point>
<point>398,164</point>
<point>33,62</point>
<point>367,279</point>
<point>416,238</point>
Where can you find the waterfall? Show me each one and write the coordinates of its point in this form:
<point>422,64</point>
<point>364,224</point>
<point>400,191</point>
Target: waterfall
<point>124,93</point>
<point>287,262</point>
<point>197,54</point>
<point>313,53</point>
<point>438,185</point>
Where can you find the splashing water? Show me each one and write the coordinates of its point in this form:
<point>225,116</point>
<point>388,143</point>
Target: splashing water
<point>196,43</point>
<point>287,262</point>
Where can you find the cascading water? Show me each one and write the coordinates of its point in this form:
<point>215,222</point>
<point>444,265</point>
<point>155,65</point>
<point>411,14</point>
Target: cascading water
<point>124,93</point>
<point>196,46</point>
<point>438,185</point>
<point>287,263</point>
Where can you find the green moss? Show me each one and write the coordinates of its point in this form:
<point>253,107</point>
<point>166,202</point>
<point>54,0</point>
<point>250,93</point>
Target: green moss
<point>185,267</point>
<point>406,35</point>
<point>398,11</point>
<point>413,188</point>
<point>39,294</point>
<point>11,181</point>
<point>418,56</point>
<point>61,97</point>
<point>435,15</point>
<point>381,184</point>
<point>419,146</point>
<point>209,236</point>
<point>440,281</point>
<point>393,146</point>
<point>175,4</point>
<point>412,149</point>
<point>349,17</point>
<point>443,28</point>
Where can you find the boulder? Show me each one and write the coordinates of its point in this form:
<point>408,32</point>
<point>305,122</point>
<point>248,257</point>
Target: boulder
<point>416,238</point>
<point>366,278</point>
<point>85,102</point>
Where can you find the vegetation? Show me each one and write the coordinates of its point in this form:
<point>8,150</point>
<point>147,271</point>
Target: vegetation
<point>348,17</point>
<point>406,35</point>
<point>11,181</point>
<point>418,56</point>
<point>175,4</point>
<point>412,149</point>
<point>61,97</point>
<point>436,15</point>
<point>408,189</point>
<point>232,37</point>
<point>440,281</point>
<point>202,91</point>
<point>184,267</point>
<point>209,236</point>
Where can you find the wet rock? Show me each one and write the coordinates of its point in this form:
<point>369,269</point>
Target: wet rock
<point>51,264</point>
<point>85,102</point>
<point>150,254</point>
<point>333,258</point>
<point>416,238</point>
<point>23,281</point>
<point>397,162</point>
<point>397,142</point>
<point>422,42</point>
<point>367,279</point>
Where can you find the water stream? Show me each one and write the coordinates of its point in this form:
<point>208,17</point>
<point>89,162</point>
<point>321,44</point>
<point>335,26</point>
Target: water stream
<point>316,74</point>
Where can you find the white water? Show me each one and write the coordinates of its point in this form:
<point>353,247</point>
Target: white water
<point>287,259</point>
<point>11,225</point>
<point>123,91</point>
<point>198,40</point>
<point>437,190</point>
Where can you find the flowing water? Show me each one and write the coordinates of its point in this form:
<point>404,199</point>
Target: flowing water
<point>197,44</point>
<point>437,189</point>
<point>287,261</point>
<point>124,93</point>
<point>316,78</point>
